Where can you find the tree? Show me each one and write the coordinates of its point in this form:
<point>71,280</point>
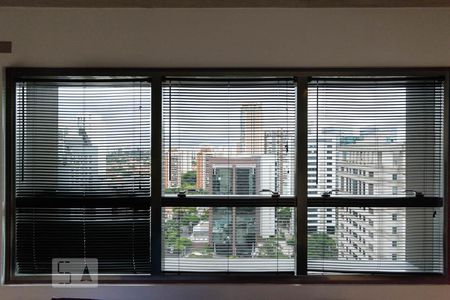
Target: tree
<point>186,216</point>
<point>188,184</point>
<point>172,190</point>
<point>189,180</point>
<point>183,221</point>
<point>270,248</point>
<point>321,246</point>
<point>182,244</point>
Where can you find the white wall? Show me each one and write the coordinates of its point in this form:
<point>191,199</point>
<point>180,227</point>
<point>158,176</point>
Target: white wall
<point>227,38</point>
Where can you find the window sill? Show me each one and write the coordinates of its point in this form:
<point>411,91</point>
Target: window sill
<point>250,278</point>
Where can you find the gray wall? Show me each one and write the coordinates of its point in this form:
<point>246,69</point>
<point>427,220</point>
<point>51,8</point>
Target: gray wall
<point>227,38</point>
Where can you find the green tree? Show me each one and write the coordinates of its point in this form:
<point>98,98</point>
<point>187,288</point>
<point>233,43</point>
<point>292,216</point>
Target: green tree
<point>187,217</point>
<point>182,244</point>
<point>321,245</point>
<point>182,223</point>
<point>270,248</point>
<point>172,190</point>
<point>189,180</point>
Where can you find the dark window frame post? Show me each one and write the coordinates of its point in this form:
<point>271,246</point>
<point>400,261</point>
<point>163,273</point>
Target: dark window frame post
<point>156,173</point>
<point>301,175</point>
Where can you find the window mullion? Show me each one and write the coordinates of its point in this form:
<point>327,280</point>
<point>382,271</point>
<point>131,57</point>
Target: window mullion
<point>156,142</point>
<point>445,154</point>
<point>301,176</point>
<point>10,203</point>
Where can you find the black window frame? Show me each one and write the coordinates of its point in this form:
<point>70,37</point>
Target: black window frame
<point>301,201</point>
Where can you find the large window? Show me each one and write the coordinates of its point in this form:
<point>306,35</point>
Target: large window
<point>82,172</point>
<point>229,141</point>
<point>376,142</point>
<point>208,175</point>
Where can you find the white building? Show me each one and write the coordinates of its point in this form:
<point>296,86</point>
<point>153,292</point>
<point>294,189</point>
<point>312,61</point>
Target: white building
<point>79,169</point>
<point>322,160</point>
<point>371,163</point>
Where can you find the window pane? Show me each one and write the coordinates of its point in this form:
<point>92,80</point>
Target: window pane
<point>83,139</point>
<point>228,137</point>
<point>361,239</point>
<point>385,134</point>
<point>228,239</point>
<point>82,155</point>
<point>118,237</point>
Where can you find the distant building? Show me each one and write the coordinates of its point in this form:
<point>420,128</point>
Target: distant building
<point>278,144</point>
<point>200,233</point>
<point>233,176</point>
<point>322,160</point>
<point>175,164</point>
<point>321,219</point>
<point>252,135</point>
<point>80,165</point>
<point>371,163</point>
<point>365,233</point>
<point>235,231</point>
<point>200,167</point>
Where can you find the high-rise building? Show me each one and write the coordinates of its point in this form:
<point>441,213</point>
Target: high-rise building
<point>233,176</point>
<point>252,135</point>
<point>277,145</point>
<point>80,163</point>
<point>371,234</point>
<point>371,164</point>
<point>237,230</point>
<point>367,170</point>
<point>200,168</point>
<point>321,179</point>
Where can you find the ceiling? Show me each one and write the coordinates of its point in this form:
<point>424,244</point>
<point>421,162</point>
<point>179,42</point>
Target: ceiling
<point>223,3</point>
